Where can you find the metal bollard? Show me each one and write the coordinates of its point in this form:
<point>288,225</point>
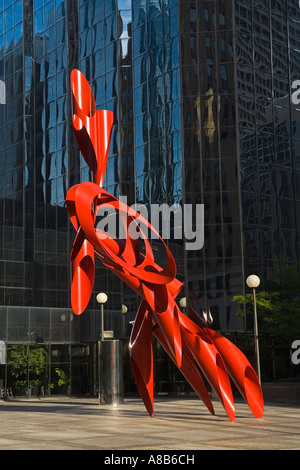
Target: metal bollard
<point>111,374</point>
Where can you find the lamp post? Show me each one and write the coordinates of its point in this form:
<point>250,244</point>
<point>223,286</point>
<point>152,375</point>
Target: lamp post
<point>110,364</point>
<point>253,281</point>
<point>124,311</point>
<point>182,302</point>
<point>101,299</point>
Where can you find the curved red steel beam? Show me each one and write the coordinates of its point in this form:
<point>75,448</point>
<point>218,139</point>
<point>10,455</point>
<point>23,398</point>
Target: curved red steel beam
<point>194,348</point>
<point>240,371</point>
<point>92,128</point>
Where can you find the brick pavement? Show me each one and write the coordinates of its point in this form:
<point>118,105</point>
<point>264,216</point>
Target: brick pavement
<point>179,425</point>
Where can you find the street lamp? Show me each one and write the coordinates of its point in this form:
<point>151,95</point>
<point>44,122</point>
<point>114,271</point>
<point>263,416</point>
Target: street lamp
<point>124,311</point>
<point>182,302</point>
<point>101,299</point>
<point>253,281</point>
<point>110,363</point>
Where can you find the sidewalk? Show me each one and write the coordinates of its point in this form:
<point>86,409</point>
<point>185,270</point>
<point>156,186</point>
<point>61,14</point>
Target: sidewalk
<point>179,424</point>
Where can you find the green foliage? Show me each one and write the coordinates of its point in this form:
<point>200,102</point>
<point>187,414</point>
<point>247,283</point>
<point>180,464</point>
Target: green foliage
<point>21,365</point>
<point>63,378</point>
<point>278,306</point>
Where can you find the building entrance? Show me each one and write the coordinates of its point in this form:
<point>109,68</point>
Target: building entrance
<point>49,369</point>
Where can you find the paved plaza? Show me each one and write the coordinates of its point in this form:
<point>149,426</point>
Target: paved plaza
<point>179,424</point>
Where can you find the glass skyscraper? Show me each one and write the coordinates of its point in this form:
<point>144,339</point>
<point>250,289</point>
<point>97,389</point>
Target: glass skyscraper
<point>206,111</point>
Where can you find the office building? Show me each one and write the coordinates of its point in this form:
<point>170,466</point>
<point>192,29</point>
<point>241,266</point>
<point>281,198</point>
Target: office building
<point>204,95</point>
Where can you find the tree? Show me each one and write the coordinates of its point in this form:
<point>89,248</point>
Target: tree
<point>278,306</point>
<point>22,364</point>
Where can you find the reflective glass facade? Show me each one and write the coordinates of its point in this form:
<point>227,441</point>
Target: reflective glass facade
<point>204,95</point>
<point>34,154</point>
<point>269,130</point>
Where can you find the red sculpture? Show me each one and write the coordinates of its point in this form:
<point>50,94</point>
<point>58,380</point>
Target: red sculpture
<point>191,344</point>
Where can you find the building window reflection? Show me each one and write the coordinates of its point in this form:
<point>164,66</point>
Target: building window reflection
<point>204,112</point>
